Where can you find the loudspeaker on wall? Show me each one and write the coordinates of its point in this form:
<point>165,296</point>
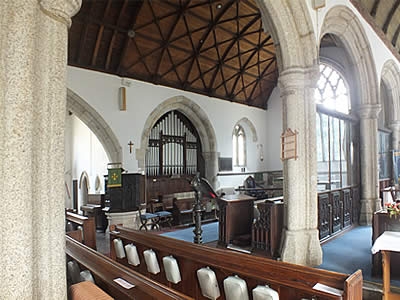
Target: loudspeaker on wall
<point>122,98</point>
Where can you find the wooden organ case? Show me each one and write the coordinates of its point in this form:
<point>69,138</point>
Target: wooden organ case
<point>174,152</point>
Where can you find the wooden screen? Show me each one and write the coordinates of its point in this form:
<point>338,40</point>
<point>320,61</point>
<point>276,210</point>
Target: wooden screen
<point>174,146</point>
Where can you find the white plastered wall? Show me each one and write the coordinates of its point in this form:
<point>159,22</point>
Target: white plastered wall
<point>100,91</point>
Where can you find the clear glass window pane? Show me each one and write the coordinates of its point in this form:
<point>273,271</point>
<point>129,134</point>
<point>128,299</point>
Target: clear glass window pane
<point>332,90</point>
<point>239,146</point>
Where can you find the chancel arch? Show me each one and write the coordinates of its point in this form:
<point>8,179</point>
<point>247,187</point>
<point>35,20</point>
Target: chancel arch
<point>95,122</point>
<point>341,23</point>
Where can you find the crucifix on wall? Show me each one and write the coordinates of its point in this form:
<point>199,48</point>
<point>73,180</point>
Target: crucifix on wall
<point>130,144</point>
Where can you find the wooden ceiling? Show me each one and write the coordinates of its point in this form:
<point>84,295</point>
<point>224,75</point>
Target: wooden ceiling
<point>385,16</point>
<point>215,48</point>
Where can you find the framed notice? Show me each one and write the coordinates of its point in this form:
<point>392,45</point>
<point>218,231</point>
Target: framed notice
<point>289,144</point>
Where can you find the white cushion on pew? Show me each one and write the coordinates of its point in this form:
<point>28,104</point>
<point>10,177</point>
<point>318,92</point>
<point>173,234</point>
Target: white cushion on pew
<point>150,258</point>
<point>264,292</point>
<point>85,275</point>
<point>171,269</point>
<point>235,288</point>
<point>80,228</point>
<point>132,255</point>
<point>73,271</point>
<point>208,283</point>
<point>119,248</point>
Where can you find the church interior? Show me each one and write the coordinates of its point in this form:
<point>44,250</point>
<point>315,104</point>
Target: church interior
<point>200,149</point>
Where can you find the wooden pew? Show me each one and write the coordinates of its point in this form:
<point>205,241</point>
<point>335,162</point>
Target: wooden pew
<point>88,226</point>
<point>291,281</point>
<point>181,206</point>
<point>105,270</point>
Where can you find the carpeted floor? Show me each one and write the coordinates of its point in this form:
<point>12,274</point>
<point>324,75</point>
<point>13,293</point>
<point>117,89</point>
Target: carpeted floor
<point>351,251</point>
<point>209,234</point>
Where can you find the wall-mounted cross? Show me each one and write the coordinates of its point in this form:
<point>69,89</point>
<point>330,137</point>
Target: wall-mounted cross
<point>130,144</point>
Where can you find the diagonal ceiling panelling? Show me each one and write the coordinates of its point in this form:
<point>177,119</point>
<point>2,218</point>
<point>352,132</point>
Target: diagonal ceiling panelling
<point>216,48</point>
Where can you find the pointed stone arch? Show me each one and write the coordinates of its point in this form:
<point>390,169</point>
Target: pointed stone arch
<point>346,26</point>
<point>390,76</point>
<point>290,25</point>
<point>343,23</point>
<point>199,119</point>
<point>97,124</point>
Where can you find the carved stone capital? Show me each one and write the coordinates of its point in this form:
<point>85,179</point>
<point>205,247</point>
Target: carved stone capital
<point>61,10</point>
<point>369,111</point>
<point>395,126</point>
<point>294,79</point>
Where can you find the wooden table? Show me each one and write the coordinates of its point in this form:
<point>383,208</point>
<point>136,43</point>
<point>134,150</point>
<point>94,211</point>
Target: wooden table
<point>387,242</point>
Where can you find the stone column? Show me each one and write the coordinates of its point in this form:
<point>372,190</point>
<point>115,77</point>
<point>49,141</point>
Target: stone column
<point>211,166</point>
<point>32,102</point>
<point>300,237</point>
<point>395,127</point>
<point>370,201</point>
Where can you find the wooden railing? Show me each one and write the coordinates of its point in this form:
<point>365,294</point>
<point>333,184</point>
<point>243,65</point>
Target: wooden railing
<point>105,270</point>
<point>291,281</point>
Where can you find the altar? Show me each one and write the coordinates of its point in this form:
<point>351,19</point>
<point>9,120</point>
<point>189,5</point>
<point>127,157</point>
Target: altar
<point>386,243</point>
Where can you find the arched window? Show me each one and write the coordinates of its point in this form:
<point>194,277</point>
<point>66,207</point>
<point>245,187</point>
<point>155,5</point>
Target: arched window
<point>239,147</point>
<point>334,130</point>
<point>332,91</point>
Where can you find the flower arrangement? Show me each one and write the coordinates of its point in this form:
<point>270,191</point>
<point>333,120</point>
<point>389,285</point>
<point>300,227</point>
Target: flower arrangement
<point>393,209</point>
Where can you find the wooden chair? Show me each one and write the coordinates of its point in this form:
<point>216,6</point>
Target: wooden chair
<point>148,219</point>
<point>165,217</point>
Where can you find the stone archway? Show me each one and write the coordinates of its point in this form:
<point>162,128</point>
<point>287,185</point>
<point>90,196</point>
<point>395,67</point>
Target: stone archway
<point>97,124</point>
<point>390,77</point>
<point>199,119</point>
<point>344,24</point>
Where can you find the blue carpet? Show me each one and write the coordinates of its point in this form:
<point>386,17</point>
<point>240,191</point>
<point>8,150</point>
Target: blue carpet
<point>351,251</point>
<point>209,234</point>
<point>345,254</point>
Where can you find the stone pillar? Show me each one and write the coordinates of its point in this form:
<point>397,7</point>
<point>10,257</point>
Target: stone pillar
<point>32,102</point>
<point>300,236</point>
<point>370,201</point>
<point>395,127</point>
<point>211,166</point>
